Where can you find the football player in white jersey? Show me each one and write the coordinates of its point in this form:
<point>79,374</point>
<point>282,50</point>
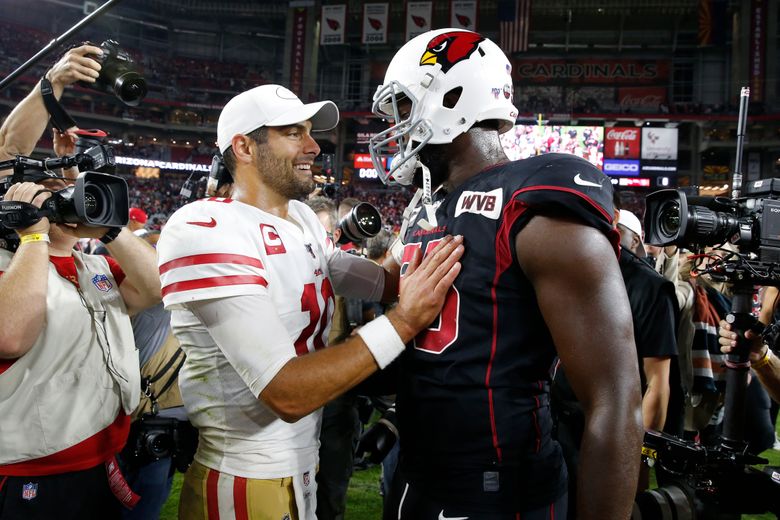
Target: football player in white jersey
<point>250,281</point>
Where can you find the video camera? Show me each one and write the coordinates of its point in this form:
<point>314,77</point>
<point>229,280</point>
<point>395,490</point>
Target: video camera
<point>752,222</point>
<point>717,482</point>
<point>119,75</point>
<point>95,199</point>
<point>705,482</point>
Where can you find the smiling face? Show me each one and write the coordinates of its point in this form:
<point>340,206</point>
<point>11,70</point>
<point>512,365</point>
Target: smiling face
<point>284,160</point>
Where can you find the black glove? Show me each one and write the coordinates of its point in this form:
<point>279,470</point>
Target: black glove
<point>378,440</point>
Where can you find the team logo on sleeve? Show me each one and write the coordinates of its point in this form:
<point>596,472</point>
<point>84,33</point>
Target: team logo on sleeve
<point>102,282</point>
<point>272,240</point>
<point>485,203</point>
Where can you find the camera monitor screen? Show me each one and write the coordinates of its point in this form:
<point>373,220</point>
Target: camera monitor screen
<point>525,141</point>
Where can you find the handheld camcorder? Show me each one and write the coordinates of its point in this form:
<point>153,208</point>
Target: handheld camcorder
<point>95,199</point>
<point>362,222</point>
<point>119,75</point>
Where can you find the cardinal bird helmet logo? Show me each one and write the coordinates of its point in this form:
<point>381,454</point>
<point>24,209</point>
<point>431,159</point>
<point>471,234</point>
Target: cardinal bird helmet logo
<point>450,48</point>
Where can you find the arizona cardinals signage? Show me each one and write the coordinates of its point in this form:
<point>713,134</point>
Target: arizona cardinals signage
<point>591,71</point>
<point>450,48</point>
<point>622,142</point>
<point>332,24</point>
<point>757,57</point>
<point>298,50</point>
<point>375,23</point>
<point>463,14</point>
<point>418,18</point>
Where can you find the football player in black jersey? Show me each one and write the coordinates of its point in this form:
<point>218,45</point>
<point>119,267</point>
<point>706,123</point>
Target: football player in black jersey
<point>540,278</point>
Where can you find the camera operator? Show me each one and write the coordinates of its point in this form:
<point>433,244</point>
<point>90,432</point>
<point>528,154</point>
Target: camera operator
<point>68,351</point>
<point>68,368</point>
<point>27,121</point>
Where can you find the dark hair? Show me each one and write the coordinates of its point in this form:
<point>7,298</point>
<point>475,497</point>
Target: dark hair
<point>259,136</point>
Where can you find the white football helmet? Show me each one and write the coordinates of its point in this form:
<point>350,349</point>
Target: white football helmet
<point>426,69</point>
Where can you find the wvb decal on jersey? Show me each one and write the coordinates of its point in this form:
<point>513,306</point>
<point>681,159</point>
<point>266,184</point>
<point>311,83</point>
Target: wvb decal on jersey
<point>485,203</point>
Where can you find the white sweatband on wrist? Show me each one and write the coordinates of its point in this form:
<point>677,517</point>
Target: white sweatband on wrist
<point>382,340</point>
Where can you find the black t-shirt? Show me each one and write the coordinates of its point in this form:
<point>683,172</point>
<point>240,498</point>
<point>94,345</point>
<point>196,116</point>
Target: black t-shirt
<point>653,307</point>
<point>473,402</point>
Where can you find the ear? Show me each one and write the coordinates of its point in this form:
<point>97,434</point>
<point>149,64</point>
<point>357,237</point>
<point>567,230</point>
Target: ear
<point>242,148</point>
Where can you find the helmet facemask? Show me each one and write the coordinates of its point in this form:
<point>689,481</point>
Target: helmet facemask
<point>406,137</point>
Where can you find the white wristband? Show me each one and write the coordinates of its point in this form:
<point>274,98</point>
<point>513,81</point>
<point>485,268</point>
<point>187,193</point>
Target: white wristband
<point>382,340</point>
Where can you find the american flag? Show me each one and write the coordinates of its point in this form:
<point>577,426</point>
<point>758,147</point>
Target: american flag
<point>514,17</point>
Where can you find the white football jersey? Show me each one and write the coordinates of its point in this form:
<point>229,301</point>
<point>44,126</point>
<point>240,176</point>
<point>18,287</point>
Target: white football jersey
<point>217,248</point>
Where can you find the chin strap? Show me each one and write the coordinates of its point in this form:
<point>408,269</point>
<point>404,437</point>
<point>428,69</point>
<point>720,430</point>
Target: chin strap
<point>429,222</point>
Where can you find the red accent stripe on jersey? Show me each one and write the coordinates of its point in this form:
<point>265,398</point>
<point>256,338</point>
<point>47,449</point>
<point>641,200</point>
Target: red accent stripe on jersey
<point>613,237</point>
<point>212,499</point>
<point>239,498</point>
<point>210,258</point>
<point>552,511</point>
<point>215,281</point>
<point>511,213</point>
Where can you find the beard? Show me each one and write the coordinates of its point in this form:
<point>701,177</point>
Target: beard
<point>281,176</point>
<point>436,158</point>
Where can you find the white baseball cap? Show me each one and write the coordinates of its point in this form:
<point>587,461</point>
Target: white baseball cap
<point>271,105</point>
<point>631,222</point>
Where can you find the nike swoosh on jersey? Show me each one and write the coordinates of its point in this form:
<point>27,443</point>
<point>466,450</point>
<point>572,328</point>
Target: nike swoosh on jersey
<point>582,182</point>
<point>442,517</point>
<point>210,223</point>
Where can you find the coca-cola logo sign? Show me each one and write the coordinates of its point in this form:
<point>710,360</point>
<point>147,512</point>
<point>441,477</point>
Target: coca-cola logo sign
<point>623,134</point>
<point>622,142</point>
<point>649,101</point>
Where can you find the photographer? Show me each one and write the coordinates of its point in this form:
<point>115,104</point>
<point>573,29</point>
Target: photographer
<point>27,121</point>
<point>67,350</point>
<point>68,368</point>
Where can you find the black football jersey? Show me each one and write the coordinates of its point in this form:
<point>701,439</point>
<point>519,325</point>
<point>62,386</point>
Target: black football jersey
<point>473,403</point>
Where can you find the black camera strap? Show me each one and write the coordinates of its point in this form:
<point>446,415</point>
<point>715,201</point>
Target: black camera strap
<point>146,382</point>
<point>59,117</point>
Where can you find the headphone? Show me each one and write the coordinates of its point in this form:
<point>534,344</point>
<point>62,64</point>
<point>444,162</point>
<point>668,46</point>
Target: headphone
<point>218,175</point>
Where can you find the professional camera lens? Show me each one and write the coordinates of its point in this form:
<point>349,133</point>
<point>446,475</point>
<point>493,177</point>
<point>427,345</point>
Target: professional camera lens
<point>130,88</point>
<point>92,205</point>
<point>363,221</point>
<point>96,198</point>
<point>669,219</point>
<point>159,444</point>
